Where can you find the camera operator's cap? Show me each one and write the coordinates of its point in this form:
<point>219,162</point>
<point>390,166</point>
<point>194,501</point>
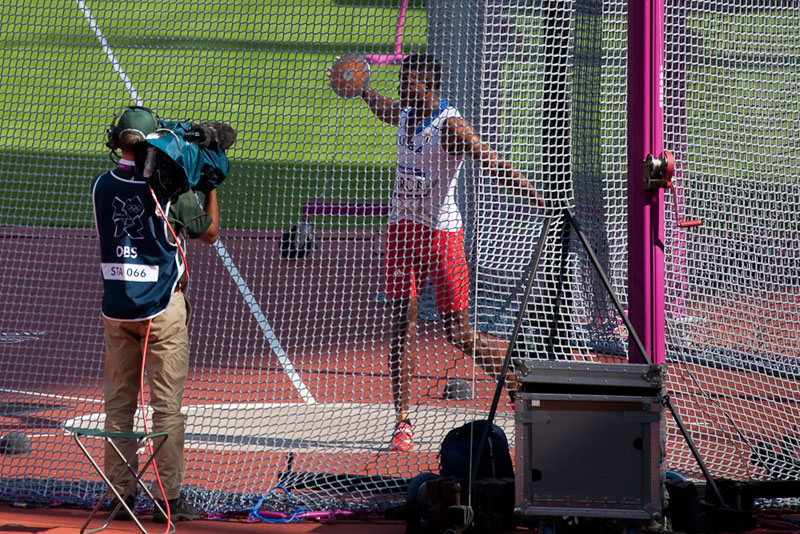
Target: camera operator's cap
<point>137,120</point>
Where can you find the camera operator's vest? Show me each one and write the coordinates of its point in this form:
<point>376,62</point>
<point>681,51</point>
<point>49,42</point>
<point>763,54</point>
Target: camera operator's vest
<point>140,266</point>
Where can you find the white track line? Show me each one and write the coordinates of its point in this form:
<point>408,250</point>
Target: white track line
<point>50,395</point>
<point>109,53</point>
<point>255,309</point>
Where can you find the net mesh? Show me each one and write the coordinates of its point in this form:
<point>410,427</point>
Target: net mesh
<point>289,385</point>
<point>731,113</point>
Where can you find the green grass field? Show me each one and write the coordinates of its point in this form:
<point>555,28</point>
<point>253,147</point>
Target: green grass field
<point>257,65</point>
<point>69,66</point>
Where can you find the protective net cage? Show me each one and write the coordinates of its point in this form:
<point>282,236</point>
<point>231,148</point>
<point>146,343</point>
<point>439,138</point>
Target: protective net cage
<point>732,295</point>
<point>289,401</point>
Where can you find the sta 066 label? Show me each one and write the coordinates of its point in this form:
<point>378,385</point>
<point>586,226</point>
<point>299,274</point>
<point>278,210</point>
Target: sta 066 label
<point>130,272</point>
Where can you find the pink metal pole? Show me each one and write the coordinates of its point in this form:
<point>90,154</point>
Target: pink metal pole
<point>645,208</point>
<point>397,57</point>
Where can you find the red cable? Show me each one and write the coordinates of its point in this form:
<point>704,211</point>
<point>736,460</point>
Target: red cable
<point>175,237</point>
<point>144,421</point>
<point>144,356</point>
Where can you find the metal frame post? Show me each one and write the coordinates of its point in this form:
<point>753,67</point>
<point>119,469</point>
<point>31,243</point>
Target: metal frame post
<point>645,207</point>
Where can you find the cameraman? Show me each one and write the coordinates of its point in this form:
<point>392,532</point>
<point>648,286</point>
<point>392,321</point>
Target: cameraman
<point>144,304</point>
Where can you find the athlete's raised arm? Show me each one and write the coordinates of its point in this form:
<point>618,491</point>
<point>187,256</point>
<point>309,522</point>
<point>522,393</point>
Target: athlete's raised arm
<point>381,106</point>
<point>460,138</point>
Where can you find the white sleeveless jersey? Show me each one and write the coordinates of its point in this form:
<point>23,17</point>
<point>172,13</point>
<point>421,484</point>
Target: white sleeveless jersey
<point>426,174</point>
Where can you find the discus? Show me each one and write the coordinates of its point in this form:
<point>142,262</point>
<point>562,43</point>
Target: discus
<point>350,76</point>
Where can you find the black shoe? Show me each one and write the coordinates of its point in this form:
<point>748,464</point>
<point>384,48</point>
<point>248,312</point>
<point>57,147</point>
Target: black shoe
<point>179,510</point>
<point>122,514</point>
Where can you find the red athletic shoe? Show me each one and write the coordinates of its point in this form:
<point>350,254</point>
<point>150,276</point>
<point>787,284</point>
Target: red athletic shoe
<point>402,437</point>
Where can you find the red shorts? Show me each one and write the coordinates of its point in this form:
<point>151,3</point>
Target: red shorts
<point>415,252</point>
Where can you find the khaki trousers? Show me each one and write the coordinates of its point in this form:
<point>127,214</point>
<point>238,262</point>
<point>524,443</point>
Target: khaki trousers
<point>166,366</point>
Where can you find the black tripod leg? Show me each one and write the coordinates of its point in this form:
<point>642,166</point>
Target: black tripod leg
<point>511,345</point>
<point>632,333</point>
<point>667,401</point>
<point>607,285</point>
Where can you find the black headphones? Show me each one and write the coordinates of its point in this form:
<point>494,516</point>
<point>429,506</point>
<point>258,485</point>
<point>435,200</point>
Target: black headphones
<point>113,133</point>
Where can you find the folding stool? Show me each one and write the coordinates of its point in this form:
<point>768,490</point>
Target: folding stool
<point>109,437</point>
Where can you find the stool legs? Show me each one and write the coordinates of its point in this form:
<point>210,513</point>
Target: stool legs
<point>158,441</point>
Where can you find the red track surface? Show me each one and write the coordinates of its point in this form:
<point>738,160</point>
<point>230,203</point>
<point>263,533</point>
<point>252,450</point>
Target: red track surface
<point>69,521</point>
<point>303,302</point>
